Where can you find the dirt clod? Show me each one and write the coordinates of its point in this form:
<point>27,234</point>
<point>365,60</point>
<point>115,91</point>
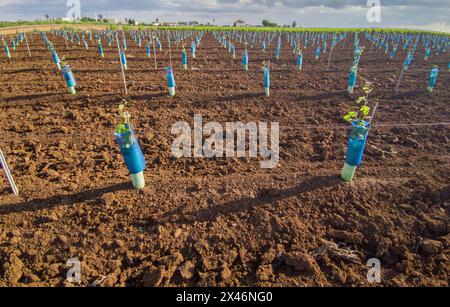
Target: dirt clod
<point>187,270</point>
<point>302,262</point>
<point>431,247</point>
<point>153,277</point>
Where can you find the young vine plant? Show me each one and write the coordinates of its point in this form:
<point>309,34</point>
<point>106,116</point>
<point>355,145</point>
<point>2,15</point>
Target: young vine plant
<point>361,115</point>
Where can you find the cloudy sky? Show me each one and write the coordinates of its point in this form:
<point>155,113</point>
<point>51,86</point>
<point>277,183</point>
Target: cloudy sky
<point>422,14</point>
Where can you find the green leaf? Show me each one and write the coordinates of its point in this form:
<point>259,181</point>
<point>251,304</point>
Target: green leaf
<point>350,116</point>
<point>121,129</point>
<point>365,110</point>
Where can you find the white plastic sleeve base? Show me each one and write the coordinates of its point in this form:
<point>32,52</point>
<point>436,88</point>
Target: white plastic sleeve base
<point>348,172</point>
<point>138,180</point>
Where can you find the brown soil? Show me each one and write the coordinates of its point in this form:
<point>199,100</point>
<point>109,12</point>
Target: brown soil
<point>221,222</point>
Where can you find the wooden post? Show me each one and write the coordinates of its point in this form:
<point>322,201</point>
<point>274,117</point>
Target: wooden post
<point>329,58</point>
<point>121,65</point>
<point>28,46</point>
<point>170,51</point>
<point>154,50</point>
<point>400,78</point>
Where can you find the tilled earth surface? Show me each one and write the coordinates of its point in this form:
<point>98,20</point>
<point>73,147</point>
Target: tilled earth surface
<point>222,222</point>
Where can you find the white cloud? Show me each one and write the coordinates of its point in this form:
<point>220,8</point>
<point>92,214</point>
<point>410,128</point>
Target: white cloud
<point>419,14</point>
<point>437,26</point>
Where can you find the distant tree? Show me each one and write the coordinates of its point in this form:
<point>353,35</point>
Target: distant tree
<point>47,17</point>
<point>100,16</point>
<point>87,19</point>
<point>269,24</point>
<point>294,24</point>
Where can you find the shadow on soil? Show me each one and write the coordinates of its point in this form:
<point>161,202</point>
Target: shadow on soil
<point>263,197</point>
<point>236,98</point>
<point>31,96</point>
<point>328,95</point>
<point>62,200</point>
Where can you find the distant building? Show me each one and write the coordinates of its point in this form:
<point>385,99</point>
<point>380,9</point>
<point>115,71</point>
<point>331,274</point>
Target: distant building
<point>174,24</point>
<point>110,20</point>
<point>240,23</point>
<point>65,19</point>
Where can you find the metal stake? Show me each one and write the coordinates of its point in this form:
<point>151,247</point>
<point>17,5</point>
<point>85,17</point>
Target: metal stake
<point>5,167</point>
